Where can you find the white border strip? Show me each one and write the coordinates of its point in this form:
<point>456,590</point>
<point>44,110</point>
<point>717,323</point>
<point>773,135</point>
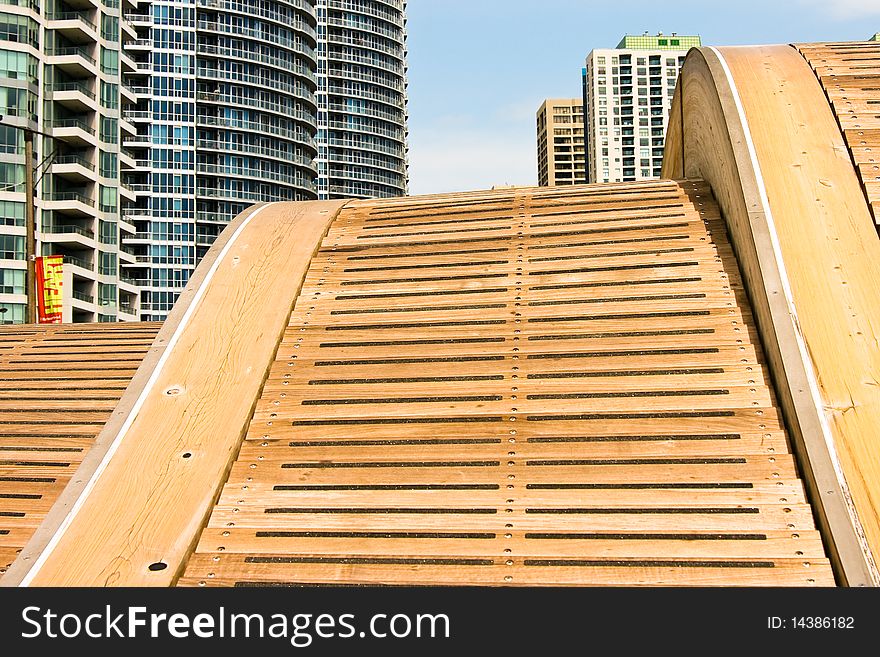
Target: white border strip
<point>50,546</point>
<point>789,299</point>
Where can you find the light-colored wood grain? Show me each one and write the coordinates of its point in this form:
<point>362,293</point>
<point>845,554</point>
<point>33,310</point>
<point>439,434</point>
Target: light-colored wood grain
<point>180,423</point>
<point>850,75</point>
<point>56,392</point>
<point>794,248</point>
<point>446,392</point>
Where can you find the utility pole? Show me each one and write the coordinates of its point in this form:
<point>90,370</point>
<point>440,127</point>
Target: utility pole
<point>30,234</point>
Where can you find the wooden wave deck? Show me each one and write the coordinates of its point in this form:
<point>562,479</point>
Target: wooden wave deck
<point>532,387</point>
<point>668,382</point>
<point>58,386</point>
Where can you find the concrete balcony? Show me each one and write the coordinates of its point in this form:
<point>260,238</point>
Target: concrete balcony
<point>139,238</point>
<point>75,96</point>
<point>140,189</point>
<point>127,64</point>
<point>126,127</point>
<point>128,284</point>
<point>144,20</point>
<point>139,91</point>
<point>126,192</point>
<point>126,161</point>
<point>127,30</point>
<point>125,255</point>
<point>82,301</point>
<point>86,5</point>
<point>138,116</point>
<point>74,168</point>
<point>125,225</point>
<point>136,141</point>
<point>73,131</point>
<point>72,236</point>
<point>127,93</point>
<point>77,27</point>
<point>76,61</point>
<point>140,45</point>
<point>71,203</point>
<point>128,312</point>
<point>80,267</point>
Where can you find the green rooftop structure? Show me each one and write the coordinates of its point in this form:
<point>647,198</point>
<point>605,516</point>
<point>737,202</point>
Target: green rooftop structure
<point>659,41</point>
<point>876,37</point>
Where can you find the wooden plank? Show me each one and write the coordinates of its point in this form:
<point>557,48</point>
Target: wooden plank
<point>775,96</point>
<point>240,571</point>
<point>55,395</point>
<point>850,77</point>
<point>170,449</point>
<point>413,402</point>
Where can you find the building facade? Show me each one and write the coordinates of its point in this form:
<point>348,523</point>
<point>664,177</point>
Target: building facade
<point>176,115</point>
<point>226,117</point>
<point>628,94</point>
<point>560,135</point>
<point>61,67</point>
<point>362,108</point>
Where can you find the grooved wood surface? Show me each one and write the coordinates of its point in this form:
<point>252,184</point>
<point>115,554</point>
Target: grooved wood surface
<point>174,434</point>
<point>518,387</point>
<point>58,386</point>
<point>710,138</point>
<point>828,243</point>
<point>850,75</point>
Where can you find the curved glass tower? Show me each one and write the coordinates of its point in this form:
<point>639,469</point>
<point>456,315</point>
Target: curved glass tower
<point>226,117</point>
<point>362,98</point>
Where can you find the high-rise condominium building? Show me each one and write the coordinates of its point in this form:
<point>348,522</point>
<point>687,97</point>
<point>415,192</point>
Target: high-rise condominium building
<point>60,68</point>
<point>173,116</point>
<point>226,117</point>
<point>560,128</point>
<point>361,98</point>
<point>628,95</point>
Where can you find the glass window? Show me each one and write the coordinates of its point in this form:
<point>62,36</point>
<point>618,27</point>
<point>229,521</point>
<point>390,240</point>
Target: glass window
<point>106,263</point>
<point>106,294</point>
<point>12,313</point>
<point>12,177</point>
<point>109,95</point>
<point>107,233</point>
<point>12,247</point>
<point>18,102</point>
<point>19,29</point>
<point>108,199</point>
<point>11,139</point>
<point>110,27</point>
<point>11,213</point>
<point>12,281</point>
<point>109,130</point>
<point>18,65</point>
<point>109,167</point>
<point>109,61</point>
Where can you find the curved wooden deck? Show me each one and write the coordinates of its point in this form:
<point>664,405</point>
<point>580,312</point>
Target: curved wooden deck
<point>567,386</point>
<point>58,386</point>
<point>755,124</point>
<point>517,388</point>
<point>131,515</point>
<point>850,75</point>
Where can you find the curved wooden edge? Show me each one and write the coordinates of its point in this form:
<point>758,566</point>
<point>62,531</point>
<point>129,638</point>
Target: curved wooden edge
<point>133,512</point>
<point>713,141</point>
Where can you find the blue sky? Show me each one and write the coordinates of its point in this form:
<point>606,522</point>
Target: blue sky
<point>479,69</point>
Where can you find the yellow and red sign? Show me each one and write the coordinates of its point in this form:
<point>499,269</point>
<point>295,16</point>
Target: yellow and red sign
<point>49,280</point>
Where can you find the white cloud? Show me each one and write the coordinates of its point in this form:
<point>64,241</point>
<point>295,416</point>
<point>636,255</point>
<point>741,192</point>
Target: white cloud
<point>846,9</point>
